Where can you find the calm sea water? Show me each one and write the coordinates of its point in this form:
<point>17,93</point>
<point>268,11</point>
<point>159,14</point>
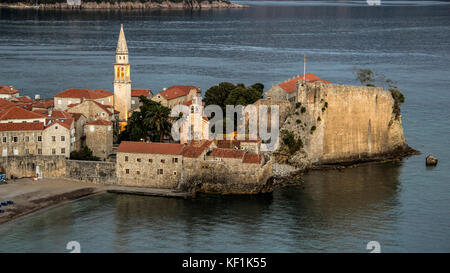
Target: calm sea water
<point>403,206</point>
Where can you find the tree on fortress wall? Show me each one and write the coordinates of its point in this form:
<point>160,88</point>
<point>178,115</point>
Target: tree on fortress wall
<point>229,94</point>
<point>151,123</point>
<point>369,78</point>
<point>83,154</point>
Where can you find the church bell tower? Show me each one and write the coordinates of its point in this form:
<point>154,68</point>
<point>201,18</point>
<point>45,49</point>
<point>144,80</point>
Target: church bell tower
<point>122,81</point>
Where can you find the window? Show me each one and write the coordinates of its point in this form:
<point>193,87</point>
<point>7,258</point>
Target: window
<point>56,127</point>
<point>59,101</point>
<point>126,158</point>
<point>127,171</point>
<point>160,171</point>
<point>138,160</point>
<point>39,151</point>
<point>163,161</point>
<point>15,139</point>
<point>39,138</point>
<point>4,139</point>
<point>63,150</point>
<point>133,102</point>
<point>138,172</point>
<point>150,160</point>
<point>91,128</point>
<point>27,151</point>
<point>16,152</point>
<point>27,139</point>
<point>53,151</point>
<point>175,160</point>
<point>63,138</point>
<point>174,173</point>
<point>53,138</point>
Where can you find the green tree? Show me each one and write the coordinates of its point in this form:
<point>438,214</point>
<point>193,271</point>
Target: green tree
<point>216,95</point>
<point>365,76</point>
<point>152,122</point>
<point>83,154</point>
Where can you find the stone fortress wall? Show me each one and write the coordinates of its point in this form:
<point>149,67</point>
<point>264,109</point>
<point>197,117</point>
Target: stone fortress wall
<point>339,123</point>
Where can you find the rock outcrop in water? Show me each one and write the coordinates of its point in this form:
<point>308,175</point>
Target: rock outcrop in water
<point>333,124</point>
<point>129,5</point>
<point>431,160</point>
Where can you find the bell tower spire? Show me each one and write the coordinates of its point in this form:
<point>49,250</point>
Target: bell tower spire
<point>122,80</point>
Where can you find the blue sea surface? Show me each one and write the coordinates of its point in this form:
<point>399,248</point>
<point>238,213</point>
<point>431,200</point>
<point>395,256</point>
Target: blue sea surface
<point>404,206</point>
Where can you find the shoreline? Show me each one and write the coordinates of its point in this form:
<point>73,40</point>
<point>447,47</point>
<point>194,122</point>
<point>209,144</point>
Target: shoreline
<point>34,196</point>
<point>166,5</point>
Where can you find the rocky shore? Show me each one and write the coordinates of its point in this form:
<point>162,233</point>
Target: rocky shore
<point>136,5</point>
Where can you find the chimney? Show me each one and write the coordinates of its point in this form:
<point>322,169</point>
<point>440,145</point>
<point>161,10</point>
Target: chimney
<point>164,89</point>
<point>37,97</point>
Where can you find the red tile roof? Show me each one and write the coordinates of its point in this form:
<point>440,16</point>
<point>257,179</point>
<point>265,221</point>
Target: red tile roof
<point>60,114</point>
<point>66,123</point>
<point>100,122</point>
<point>135,92</point>
<point>19,113</point>
<point>77,116</point>
<point>44,104</point>
<point>24,99</point>
<point>176,91</point>
<point>228,153</point>
<point>252,158</point>
<point>22,126</point>
<point>150,148</point>
<point>6,103</point>
<point>194,150</point>
<point>84,93</point>
<point>41,111</point>
<point>8,90</point>
<point>106,108</point>
<point>291,85</point>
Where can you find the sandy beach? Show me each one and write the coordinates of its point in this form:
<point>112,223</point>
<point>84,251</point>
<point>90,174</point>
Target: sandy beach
<point>29,196</point>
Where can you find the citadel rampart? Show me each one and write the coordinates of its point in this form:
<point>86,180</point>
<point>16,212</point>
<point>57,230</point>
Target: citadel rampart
<point>343,123</point>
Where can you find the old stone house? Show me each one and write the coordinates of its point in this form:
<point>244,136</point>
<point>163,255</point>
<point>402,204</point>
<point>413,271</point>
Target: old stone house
<point>99,137</point>
<point>177,94</point>
<point>74,96</point>
<point>8,92</point>
<point>136,94</point>
<point>166,165</point>
<point>94,110</point>
<point>287,90</point>
<point>156,165</point>
<point>57,139</point>
<point>17,115</point>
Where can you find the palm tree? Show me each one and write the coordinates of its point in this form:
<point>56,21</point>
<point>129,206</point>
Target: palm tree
<point>157,119</point>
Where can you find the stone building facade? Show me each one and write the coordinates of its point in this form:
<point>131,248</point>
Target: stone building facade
<point>93,110</point>
<point>287,90</point>
<point>136,94</point>
<point>99,138</point>
<point>177,94</point>
<point>166,165</point>
<point>72,96</point>
<point>143,164</point>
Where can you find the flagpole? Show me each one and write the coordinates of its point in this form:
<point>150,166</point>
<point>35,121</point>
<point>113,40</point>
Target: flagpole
<point>304,67</point>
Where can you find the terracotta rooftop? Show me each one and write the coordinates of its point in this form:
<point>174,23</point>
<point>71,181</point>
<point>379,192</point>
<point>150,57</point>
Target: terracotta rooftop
<point>41,111</point>
<point>19,113</point>
<point>77,116</point>
<point>100,122</point>
<point>66,123</point>
<point>136,92</point>
<point>228,153</point>
<point>43,104</point>
<point>150,148</point>
<point>60,114</point>
<point>24,99</point>
<point>28,126</point>
<point>252,158</point>
<point>8,90</point>
<point>6,103</point>
<point>291,85</point>
<point>84,93</point>
<point>176,91</point>
<point>195,149</point>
